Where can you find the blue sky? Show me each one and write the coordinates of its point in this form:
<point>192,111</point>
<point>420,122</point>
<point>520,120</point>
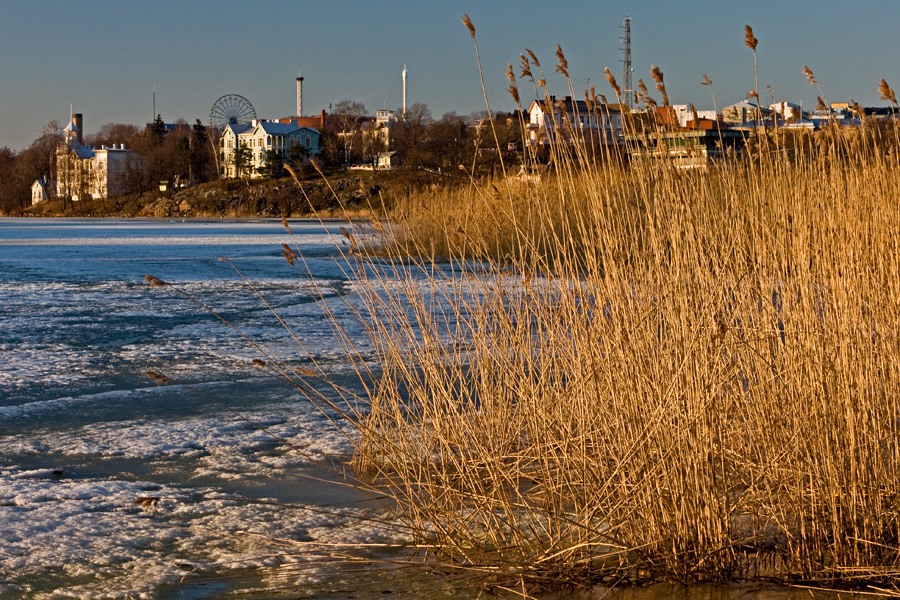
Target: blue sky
<point>105,58</point>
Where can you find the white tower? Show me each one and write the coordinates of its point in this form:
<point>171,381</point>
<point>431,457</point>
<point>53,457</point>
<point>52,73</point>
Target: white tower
<point>404,90</point>
<point>299,95</point>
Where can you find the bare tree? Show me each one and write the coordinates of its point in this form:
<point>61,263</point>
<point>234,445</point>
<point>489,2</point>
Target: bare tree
<point>113,134</point>
<point>410,132</point>
<point>348,114</point>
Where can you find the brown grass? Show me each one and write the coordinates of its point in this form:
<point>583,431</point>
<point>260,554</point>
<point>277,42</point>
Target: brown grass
<point>672,375</point>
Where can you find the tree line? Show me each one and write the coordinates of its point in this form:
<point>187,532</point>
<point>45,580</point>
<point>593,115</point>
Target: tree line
<point>421,139</point>
<point>189,153</point>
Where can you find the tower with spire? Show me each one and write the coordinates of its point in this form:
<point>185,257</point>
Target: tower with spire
<point>74,130</point>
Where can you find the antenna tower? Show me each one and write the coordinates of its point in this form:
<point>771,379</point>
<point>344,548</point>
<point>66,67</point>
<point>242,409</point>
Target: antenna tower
<point>627,88</point>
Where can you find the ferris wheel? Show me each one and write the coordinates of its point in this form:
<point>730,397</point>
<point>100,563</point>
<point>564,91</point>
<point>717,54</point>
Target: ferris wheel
<point>231,109</point>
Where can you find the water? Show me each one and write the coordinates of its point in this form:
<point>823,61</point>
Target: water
<point>114,486</point>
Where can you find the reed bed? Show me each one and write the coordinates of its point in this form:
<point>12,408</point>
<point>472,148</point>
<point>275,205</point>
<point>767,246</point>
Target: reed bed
<point>632,372</point>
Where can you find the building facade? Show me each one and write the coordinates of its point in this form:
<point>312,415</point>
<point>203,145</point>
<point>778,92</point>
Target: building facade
<point>40,191</point>
<point>245,149</point>
<point>569,119</point>
<point>83,173</point>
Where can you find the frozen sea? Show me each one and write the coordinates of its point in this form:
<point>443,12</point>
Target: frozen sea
<point>114,486</point>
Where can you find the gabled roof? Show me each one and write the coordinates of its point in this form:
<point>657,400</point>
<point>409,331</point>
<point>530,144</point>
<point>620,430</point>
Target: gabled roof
<point>273,128</point>
<point>238,128</point>
<point>746,104</point>
<point>80,150</point>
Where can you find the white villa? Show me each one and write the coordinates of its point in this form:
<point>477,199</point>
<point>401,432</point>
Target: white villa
<point>573,117</point>
<point>262,137</point>
<point>83,173</point>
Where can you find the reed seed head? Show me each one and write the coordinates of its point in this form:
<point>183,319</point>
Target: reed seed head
<point>154,281</point>
<point>289,254</point>
<point>612,82</point>
<point>820,104</point>
<point>534,59</point>
<point>644,95</point>
<point>643,87</point>
<point>657,75</point>
<point>749,40</point>
<point>468,23</point>
<point>159,378</point>
<point>514,92</point>
<point>524,67</point>
<point>562,65</point>
<point>706,80</point>
<point>886,92</point>
<point>809,75</point>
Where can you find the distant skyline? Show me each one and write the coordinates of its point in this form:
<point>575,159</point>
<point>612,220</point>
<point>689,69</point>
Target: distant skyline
<point>105,58</point>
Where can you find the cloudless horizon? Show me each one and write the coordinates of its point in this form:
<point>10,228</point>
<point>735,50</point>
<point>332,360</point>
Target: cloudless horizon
<point>106,58</point>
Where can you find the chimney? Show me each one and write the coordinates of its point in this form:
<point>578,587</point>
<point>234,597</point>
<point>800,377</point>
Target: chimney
<point>77,121</point>
<point>299,95</point>
<point>404,90</point>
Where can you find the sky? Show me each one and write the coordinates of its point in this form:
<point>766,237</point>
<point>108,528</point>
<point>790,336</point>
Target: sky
<point>105,58</point>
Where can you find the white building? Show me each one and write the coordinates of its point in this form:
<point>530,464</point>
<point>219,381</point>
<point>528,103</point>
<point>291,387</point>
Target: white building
<point>83,173</point>
<point>744,112</point>
<point>787,111</point>
<point>684,115</point>
<point>573,119</point>
<point>40,191</point>
<point>261,138</point>
<point>387,160</point>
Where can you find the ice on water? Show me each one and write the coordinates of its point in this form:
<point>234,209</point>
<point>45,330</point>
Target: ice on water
<point>111,485</point>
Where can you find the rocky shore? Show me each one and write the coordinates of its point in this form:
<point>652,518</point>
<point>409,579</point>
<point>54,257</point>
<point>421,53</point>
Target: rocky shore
<point>354,191</point>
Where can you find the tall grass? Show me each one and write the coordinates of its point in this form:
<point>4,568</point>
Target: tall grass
<point>641,371</point>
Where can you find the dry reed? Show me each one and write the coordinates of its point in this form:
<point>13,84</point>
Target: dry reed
<point>632,371</point>
<point>669,375</point>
